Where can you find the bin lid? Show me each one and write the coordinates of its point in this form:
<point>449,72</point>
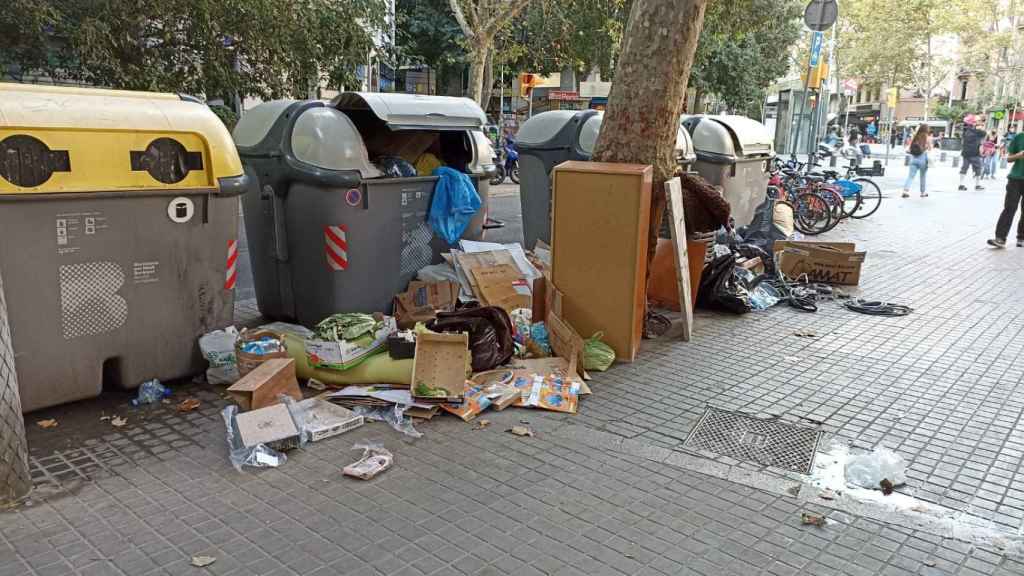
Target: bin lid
<point>416,111</point>
<point>65,139</point>
<point>541,129</point>
<point>729,135</point>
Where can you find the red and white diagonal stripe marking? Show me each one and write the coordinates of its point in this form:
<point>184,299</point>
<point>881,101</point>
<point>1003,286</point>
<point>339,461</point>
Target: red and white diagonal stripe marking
<point>336,246</point>
<point>231,272</point>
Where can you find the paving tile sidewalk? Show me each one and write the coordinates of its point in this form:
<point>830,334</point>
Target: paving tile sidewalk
<point>941,386</point>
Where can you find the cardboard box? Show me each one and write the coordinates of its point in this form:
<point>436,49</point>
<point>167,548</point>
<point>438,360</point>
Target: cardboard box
<point>440,364</point>
<point>829,262</point>
<point>503,286</point>
<point>422,300</point>
<point>344,355</point>
<point>262,386</point>
<point>272,426</point>
<point>324,420</point>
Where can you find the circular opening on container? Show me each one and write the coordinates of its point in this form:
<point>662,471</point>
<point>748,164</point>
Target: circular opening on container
<point>28,162</point>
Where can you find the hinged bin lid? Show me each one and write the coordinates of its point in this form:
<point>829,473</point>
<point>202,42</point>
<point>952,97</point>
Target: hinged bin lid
<point>416,111</point>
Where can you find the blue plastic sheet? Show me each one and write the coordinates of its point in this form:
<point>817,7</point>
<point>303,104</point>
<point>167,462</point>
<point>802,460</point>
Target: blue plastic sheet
<point>454,204</point>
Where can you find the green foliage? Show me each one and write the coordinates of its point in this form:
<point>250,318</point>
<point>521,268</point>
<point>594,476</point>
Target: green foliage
<point>743,48</point>
<point>427,33</point>
<point>953,114</point>
<point>263,48</point>
<point>582,34</point>
<point>226,115</point>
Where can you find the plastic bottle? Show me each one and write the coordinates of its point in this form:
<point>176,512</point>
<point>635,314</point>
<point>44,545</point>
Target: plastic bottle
<point>149,392</point>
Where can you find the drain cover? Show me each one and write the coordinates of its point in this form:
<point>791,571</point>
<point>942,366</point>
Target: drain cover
<point>743,437</point>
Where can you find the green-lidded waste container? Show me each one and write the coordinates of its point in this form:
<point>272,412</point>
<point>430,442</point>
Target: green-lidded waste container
<point>733,152</point>
<point>334,219</point>
<point>118,236</point>
<point>550,138</point>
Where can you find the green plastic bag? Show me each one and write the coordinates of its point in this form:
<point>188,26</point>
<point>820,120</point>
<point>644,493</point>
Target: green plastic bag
<point>596,354</point>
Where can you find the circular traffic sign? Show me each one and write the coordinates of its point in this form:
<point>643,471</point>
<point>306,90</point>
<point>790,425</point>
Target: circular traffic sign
<point>820,15</point>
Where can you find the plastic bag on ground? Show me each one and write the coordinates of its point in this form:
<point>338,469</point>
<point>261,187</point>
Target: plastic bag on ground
<point>149,392</point>
<point>218,347</point>
<point>596,354</point>
<point>869,469</point>
<point>259,456</point>
<point>764,296</point>
<point>394,415</point>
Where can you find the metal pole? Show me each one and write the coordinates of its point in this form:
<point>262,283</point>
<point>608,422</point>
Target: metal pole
<point>15,481</point>
<point>501,101</point>
<point>803,102</point>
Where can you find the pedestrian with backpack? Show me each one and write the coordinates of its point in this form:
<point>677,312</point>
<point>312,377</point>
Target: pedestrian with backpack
<point>918,150</point>
<point>1014,195</point>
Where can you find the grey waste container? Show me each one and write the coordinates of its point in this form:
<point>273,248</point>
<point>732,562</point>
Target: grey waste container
<point>328,231</point>
<point>733,152</point>
<point>547,140</point>
<point>118,236</point>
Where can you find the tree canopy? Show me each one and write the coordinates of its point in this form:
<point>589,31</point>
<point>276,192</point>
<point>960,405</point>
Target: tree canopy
<point>262,48</point>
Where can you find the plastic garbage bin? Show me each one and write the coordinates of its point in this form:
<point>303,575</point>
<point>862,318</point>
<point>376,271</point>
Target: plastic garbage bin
<point>550,138</point>
<point>118,229</point>
<point>733,152</point>
<point>329,231</point>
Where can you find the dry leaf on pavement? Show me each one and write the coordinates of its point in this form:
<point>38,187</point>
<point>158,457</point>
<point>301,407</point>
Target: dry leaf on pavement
<point>521,431</point>
<point>49,423</point>
<point>117,421</point>
<point>188,405</point>
<point>201,561</point>
<point>813,519</point>
<point>481,424</point>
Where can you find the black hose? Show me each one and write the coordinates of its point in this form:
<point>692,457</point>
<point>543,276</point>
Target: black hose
<point>878,308</point>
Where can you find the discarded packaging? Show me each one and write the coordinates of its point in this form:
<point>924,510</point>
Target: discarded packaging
<point>521,431</point>
<point>254,347</point>
<point>439,369</point>
<point>549,392</point>
<point>218,347</point>
<point>48,423</point>
<point>421,301</point>
<point>474,401</point>
<point>375,460</point>
<point>263,386</point>
<point>149,392</point>
<point>868,470</point>
<point>394,415</point>
<point>258,456</point>
<point>202,561</point>
<point>118,422</point>
<point>188,405</point>
<point>343,354</point>
<point>273,426</point>
<point>481,424</point>
<point>829,262</point>
<point>322,419</point>
<point>402,345</point>
<point>813,520</point>
<point>597,355</point>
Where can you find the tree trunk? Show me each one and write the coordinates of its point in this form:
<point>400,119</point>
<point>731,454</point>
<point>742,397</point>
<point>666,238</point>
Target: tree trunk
<point>649,91</point>
<point>15,481</point>
<point>488,89</point>
<point>477,62</point>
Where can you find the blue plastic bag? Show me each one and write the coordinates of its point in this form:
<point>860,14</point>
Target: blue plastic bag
<point>454,204</point>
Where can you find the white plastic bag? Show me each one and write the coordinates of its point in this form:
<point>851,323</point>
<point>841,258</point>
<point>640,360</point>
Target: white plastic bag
<point>869,469</point>
<point>218,347</point>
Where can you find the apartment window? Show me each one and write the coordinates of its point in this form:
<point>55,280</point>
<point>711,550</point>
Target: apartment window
<point>963,89</point>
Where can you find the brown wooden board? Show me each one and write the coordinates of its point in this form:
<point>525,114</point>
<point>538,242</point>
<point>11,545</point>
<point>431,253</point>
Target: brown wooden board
<point>262,386</point>
<point>677,226</point>
<point>599,229</point>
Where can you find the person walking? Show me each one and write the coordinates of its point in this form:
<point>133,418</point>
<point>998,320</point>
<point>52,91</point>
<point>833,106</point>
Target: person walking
<point>971,152</point>
<point>1014,195</point>
<point>989,156</point>
<point>918,149</point>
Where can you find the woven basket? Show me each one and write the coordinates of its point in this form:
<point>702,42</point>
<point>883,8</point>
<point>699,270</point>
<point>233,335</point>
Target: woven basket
<point>248,362</point>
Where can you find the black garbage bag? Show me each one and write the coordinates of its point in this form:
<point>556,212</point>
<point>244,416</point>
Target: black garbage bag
<point>490,333</point>
<point>721,289</point>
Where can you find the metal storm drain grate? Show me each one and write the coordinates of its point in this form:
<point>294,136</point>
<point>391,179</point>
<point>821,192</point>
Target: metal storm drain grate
<point>768,442</point>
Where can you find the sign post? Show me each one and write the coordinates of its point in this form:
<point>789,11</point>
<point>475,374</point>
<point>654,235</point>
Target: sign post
<point>819,15</point>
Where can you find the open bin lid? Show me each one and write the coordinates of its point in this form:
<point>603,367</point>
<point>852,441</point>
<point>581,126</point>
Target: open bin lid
<point>542,130</point>
<point>729,136</point>
<point>416,111</point>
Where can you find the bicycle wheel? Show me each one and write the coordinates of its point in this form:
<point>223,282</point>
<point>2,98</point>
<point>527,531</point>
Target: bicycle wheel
<point>811,214</point>
<point>851,196</point>
<point>834,199</point>
<point>871,198</point>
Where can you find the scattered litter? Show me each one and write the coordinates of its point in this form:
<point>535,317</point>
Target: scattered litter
<point>394,415</point>
<point>118,422</point>
<point>48,423</point>
<point>322,419</point>
<point>218,347</point>
<point>806,333</point>
<point>886,486</point>
<point>316,385</point>
<point>930,563</point>
<point>919,508</point>
<point>813,520</point>
<point>521,431</point>
<point>104,418</point>
<point>375,459</point>
<point>481,424</point>
<point>827,494</point>
<point>188,404</point>
<point>597,355</point>
<point>524,421</point>
<point>202,561</point>
<point>870,469</point>
<point>149,392</point>
<point>876,308</point>
<point>793,491</point>
<point>255,455</point>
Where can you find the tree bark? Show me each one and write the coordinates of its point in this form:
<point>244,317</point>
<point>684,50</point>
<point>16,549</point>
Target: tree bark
<point>15,481</point>
<point>477,62</point>
<point>481,21</point>
<point>649,91</point>
<point>488,88</point>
